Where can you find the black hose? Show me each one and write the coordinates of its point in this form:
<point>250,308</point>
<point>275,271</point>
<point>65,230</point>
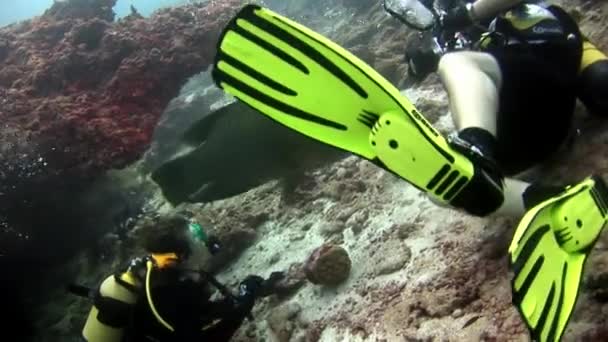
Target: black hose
<point>81,290</point>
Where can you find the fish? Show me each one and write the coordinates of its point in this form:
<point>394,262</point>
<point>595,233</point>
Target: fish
<point>235,149</point>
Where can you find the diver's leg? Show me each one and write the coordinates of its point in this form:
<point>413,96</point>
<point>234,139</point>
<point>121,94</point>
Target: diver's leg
<point>472,81</point>
<point>513,204</point>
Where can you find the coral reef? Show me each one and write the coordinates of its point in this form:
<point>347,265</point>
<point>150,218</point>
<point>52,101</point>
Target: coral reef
<point>80,94</point>
<point>419,272</point>
<point>95,88</point>
<point>283,319</point>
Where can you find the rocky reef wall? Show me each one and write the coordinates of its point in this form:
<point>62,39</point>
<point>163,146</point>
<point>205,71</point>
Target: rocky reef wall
<point>80,94</point>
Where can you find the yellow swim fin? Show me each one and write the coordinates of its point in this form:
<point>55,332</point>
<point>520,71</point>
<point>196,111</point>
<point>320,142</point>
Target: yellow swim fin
<point>308,83</point>
<point>548,252</point>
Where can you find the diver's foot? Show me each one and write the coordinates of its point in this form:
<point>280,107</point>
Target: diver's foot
<point>548,254</point>
<point>478,139</point>
<point>578,212</point>
<point>478,145</point>
<point>485,192</point>
<point>579,219</point>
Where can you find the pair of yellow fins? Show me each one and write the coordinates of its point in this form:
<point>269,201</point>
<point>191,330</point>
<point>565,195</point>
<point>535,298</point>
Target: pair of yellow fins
<point>310,84</point>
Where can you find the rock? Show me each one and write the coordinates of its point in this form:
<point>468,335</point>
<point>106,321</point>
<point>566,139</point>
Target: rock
<point>358,218</point>
<point>444,302</point>
<point>405,230</point>
<point>457,313</point>
<point>256,220</point>
<point>251,331</point>
<point>282,320</point>
<point>306,226</point>
<point>342,173</point>
<point>431,109</point>
<point>274,258</point>
<point>356,228</point>
<point>328,265</point>
<point>297,236</point>
<point>331,228</point>
<point>335,190</point>
<point>233,243</point>
<point>389,68</point>
<point>396,256</point>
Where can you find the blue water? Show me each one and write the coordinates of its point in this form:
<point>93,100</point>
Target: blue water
<point>13,11</point>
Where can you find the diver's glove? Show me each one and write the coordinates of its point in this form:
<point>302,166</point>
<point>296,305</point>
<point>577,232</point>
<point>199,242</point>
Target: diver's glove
<point>249,290</point>
<point>422,56</point>
<point>269,286</point>
<point>458,18</point>
<point>251,285</point>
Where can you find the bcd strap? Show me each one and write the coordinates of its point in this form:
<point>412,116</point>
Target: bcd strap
<point>130,287</point>
<point>112,312</point>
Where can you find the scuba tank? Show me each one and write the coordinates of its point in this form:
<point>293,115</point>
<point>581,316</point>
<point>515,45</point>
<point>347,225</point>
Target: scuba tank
<point>112,305</point>
<point>116,297</point>
<point>593,80</point>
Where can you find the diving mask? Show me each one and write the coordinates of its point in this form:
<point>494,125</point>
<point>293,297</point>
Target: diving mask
<point>197,232</point>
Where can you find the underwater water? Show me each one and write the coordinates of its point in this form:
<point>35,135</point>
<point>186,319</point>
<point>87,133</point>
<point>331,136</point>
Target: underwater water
<point>120,154</point>
<point>11,12</point>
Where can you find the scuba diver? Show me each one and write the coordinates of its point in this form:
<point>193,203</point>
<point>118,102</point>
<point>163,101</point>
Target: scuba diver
<point>163,297</point>
<point>512,102</point>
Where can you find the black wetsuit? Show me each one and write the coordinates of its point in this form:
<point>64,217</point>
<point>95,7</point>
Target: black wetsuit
<point>185,305</point>
<point>539,60</point>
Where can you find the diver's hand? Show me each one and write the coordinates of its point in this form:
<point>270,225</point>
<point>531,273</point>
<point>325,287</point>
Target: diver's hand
<point>274,278</point>
<point>250,286</point>
<point>421,56</point>
<point>457,18</point>
<point>249,289</point>
<point>269,286</point>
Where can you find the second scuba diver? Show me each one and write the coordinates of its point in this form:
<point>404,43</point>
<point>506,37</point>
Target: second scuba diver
<point>165,297</point>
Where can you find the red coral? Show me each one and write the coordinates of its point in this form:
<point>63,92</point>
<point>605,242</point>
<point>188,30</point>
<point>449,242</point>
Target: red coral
<point>80,93</point>
<point>94,88</point>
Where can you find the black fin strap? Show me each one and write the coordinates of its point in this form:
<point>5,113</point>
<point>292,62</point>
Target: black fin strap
<point>536,193</point>
<point>482,195</point>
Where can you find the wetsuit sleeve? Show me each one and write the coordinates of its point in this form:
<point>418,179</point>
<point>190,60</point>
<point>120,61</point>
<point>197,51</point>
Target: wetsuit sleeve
<point>230,315</point>
<point>485,9</point>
